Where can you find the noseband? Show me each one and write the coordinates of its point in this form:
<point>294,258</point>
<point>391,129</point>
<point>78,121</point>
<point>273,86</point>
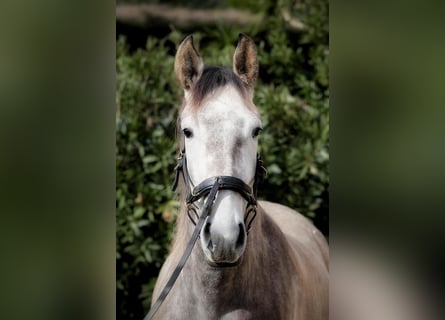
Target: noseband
<point>224,183</point>
<point>209,188</point>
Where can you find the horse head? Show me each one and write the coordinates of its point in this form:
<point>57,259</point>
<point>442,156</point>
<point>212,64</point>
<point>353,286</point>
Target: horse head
<point>219,135</point>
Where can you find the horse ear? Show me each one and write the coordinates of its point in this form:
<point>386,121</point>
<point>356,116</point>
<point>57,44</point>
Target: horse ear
<point>188,63</point>
<point>245,60</point>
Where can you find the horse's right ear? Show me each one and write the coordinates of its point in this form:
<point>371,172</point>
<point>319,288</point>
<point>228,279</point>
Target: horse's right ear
<point>245,60</point>
<point>188,63</point>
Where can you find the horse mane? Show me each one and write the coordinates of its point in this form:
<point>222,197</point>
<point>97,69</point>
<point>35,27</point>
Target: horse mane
<point>181,227</point>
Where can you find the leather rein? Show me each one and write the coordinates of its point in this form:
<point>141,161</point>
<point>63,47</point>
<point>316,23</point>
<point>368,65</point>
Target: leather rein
<point>209,187</point>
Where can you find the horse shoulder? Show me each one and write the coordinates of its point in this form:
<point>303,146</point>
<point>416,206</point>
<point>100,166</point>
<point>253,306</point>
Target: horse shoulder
<point>297,227</point>
<point>311,254</point>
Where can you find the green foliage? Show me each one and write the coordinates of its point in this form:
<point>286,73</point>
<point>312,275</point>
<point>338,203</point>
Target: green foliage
<point>293,98</point>
<point>146,98</point>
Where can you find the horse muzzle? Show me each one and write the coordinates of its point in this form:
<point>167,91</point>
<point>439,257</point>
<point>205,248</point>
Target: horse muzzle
<point>223,248</point>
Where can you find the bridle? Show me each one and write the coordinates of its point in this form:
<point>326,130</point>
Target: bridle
<point>209,187</point>
<point>194,193</point>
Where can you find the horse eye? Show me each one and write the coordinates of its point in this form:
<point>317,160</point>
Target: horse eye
<point>187,132</point>
<point>256,132</point>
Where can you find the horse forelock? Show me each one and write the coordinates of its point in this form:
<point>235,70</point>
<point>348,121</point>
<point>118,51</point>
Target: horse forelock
<point>214,79</point>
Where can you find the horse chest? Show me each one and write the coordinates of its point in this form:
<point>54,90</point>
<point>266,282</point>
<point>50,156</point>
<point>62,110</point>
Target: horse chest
<point>198,299</point>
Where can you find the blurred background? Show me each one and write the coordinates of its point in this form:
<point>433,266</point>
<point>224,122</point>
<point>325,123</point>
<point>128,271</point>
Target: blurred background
<point>67,118</point>
<point>292,96</point>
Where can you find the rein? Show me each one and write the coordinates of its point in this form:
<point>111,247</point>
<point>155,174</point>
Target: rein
<point>209,187</point>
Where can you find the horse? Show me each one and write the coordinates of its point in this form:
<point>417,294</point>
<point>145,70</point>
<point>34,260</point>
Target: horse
<point>254,259</point>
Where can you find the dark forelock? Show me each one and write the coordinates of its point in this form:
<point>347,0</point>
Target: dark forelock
<point>213,78</point>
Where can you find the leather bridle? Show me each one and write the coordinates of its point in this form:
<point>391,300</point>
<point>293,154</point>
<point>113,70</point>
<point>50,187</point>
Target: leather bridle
<point>224,183</point>
<point>209,187</point>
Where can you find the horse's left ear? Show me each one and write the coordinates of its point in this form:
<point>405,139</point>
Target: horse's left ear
<point>245,60</point>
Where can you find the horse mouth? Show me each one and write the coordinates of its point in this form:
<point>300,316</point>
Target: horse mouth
<point>223,264</point>
<point>223,259</point>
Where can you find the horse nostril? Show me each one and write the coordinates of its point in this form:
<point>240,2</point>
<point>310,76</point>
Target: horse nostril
<point>210,246</point>
<point>206,231</point>
<point>241,236</point>
<point>207,228</point>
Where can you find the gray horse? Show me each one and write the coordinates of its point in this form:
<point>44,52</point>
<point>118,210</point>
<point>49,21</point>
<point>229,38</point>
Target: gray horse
<point>274,268</point>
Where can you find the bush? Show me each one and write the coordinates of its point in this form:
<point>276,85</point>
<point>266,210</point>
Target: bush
<point>293,98</point>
